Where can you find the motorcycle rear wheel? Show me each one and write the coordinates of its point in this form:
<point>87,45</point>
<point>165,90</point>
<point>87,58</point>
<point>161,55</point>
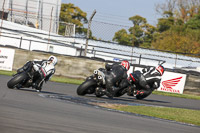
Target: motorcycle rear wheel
<point>17,79</point>
<point>140,97</point>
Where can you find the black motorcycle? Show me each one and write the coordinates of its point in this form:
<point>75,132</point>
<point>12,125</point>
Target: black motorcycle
<point>25,77</point>
<point>135,86</point>
<point>96,84</point>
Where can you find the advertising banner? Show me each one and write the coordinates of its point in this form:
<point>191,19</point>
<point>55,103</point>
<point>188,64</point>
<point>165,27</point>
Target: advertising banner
<point>171,82</point>
<point>6,58</point>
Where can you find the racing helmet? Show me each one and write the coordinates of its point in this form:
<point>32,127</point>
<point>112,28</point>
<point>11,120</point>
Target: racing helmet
<point>160,69</point>
<point>125,64</point>
<point>53,60</point>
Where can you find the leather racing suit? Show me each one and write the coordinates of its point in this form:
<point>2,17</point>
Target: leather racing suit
<point>148,81</point>
<point>116,75</point>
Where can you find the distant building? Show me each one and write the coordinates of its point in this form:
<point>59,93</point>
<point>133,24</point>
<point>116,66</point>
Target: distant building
<point>40,14</point>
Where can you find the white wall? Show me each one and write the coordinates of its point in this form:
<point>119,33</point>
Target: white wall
<point>33,41</point>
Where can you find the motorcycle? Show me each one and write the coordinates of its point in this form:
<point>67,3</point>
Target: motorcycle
<point>25,77</point>
<point>135,87</point>
<point>96,84</point>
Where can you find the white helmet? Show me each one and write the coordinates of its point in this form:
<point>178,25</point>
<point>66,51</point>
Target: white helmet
<point>53,59</point>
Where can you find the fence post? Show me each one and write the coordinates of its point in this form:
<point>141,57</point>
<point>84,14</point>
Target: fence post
<point>140,59</point>
<point>11,9</point>
<point>176,60</point>
<point>41,16</point>
<point>50,29</point>
<point>2,17</point>
<point>20,44</point>
<point>26,12</point>
<point>81,51</point>
<point>88,32</point>
<point>30,46</point>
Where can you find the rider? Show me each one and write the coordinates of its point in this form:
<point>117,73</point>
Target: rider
<point>114,75</point>
<point>45,68</point>
<point>148,81</point>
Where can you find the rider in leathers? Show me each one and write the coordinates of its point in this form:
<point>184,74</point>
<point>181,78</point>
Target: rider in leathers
<point>115,75</point>
<point>46,69</point>
<point>148,81</point>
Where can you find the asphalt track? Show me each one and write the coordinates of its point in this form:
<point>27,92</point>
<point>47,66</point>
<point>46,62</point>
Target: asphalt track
<point>58,109</point>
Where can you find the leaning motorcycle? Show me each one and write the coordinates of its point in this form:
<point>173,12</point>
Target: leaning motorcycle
<point>133,87</point>
<point>25,77</point>
<point>136,87</point>
<point>94,84</point>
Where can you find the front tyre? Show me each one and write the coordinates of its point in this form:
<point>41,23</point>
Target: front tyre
<point>17,79</point>
<point>87,87</point>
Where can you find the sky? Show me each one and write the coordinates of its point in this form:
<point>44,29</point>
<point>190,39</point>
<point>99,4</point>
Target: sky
<point>118,11</point>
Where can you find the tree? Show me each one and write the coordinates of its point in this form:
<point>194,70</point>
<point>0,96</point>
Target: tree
<point>138,20</point>
<point>141,34</point>
<point>165,23</point>
<point>194,23</point>
<point>122,37</point>
<point>179,29</point>
<point>149,31</point>
<point>72,14</point>
<point>182,9</point>
<point>136,31</point>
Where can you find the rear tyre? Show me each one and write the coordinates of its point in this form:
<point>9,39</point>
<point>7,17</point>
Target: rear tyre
<point>17,79</point>
<point>87,87</point>
<point>140,97</point>
<point>119,93</point>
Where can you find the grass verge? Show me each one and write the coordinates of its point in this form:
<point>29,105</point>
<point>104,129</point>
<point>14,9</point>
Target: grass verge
<point>176,114</point>
<point>66,80</point>
<point>195,97</point>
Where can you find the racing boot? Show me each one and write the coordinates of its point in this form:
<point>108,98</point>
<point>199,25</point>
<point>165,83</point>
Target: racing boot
<point>35,86</point>
<point>137,93</point>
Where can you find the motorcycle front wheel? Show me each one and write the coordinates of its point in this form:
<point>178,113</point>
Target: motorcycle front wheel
<point>17,79</point>
<point>87,87</point>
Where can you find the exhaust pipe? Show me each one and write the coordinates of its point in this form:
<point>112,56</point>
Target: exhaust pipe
<point>95,71</point>
<point>99,77</point>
